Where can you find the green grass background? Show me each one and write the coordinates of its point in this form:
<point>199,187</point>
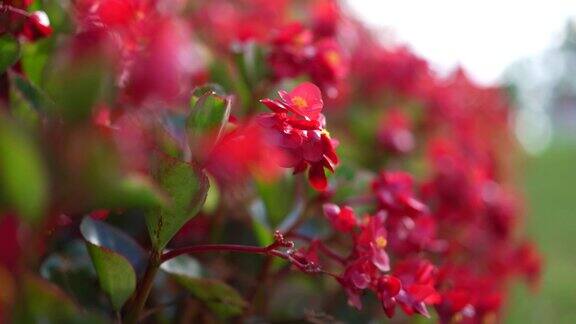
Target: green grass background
<point>550,189</point>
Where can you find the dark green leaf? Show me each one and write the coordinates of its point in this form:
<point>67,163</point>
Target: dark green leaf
<point>23,179</point>
<point>43,302</point>
<point>9,52</point>
<point>107,236</point>
<point>33,96</point>
<point>133,191</point>
<point>72,270</point>
<point>222,299</point>
<point>186,188</point>
<point>115,274</point>
<point>114,256</point>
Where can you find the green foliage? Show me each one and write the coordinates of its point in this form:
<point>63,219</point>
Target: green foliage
<point>46,303</point>
<point>131,191</point>
<point>260,223</point>
<point>277,197</point>
<point>71,269</point>
<point>115,274</point>
<point>76,86</point>
<point>23,178</point>
<point>102,234</point>
<point>186,187</point>
<point>209,114</point>
<point>221,298</point>
<point>34,59</point>
<point>9,52</point>
<point>30,93</point>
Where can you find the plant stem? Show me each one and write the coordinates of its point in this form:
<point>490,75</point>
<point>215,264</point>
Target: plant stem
<point>221,248</point>
<point>14,10</point>
<point>322,246</point>
<point>144,288</point>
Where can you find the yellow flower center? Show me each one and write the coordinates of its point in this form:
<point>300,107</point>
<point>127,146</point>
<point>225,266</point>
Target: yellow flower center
<point>381,242</point>
<point>333,58</point>
<point>299,102</point>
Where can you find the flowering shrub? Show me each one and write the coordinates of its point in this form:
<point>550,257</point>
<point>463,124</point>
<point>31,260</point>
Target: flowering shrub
<point>142,139</point>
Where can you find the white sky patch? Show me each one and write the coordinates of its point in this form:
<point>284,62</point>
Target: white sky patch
<point>485,37</point>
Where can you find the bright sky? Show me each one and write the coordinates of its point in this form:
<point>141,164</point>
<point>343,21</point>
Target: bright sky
<point>485,36</point>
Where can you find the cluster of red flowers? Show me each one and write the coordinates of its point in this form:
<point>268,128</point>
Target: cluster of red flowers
<point>401,224</point>
<point>150,45</point>
<point>295,52</point>
<point>296,127</point>
<point>437,227</point>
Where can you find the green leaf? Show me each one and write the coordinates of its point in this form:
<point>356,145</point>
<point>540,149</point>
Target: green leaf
<point>260,223</point>
<point>186,187</point>
<point>29,92</point>
<point>76,86</point>
<point>222,299</point>
<point>23,178</point>
<point>43,302</point>
<point>115,274</point>
<point>9,52</point>
<point>278,197</point>
<point>132,191</point>
<point>71,269</point>
<point>114,256</point>
<point>34,58</point>
<point>107,236</point>
<point>209,114</point>
<point>212,197</point>
<point>182,265</point>
<point>251,63</point>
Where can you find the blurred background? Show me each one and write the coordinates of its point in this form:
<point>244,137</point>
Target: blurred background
<point>529,47</point>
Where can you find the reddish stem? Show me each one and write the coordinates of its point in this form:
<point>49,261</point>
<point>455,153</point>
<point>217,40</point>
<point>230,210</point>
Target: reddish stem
<point>18,11</point>
<point>222,248</point>
<point>323,248</point>
<point>289,256</point>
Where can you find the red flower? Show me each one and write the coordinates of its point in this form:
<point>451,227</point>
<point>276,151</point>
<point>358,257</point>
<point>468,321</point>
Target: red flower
<point>418,277</point>
<point>395,195</point>
<point>296,127</point>
<point>328,64</point>
<point>29,26</point>
<point>160,71</point>
<point>37,26</point>
<point>394,133</point>
<point>295,52</point>
<point>241,152</point>
<point>387,290</point>
<point>342,219</point>
<point>529,262</point>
